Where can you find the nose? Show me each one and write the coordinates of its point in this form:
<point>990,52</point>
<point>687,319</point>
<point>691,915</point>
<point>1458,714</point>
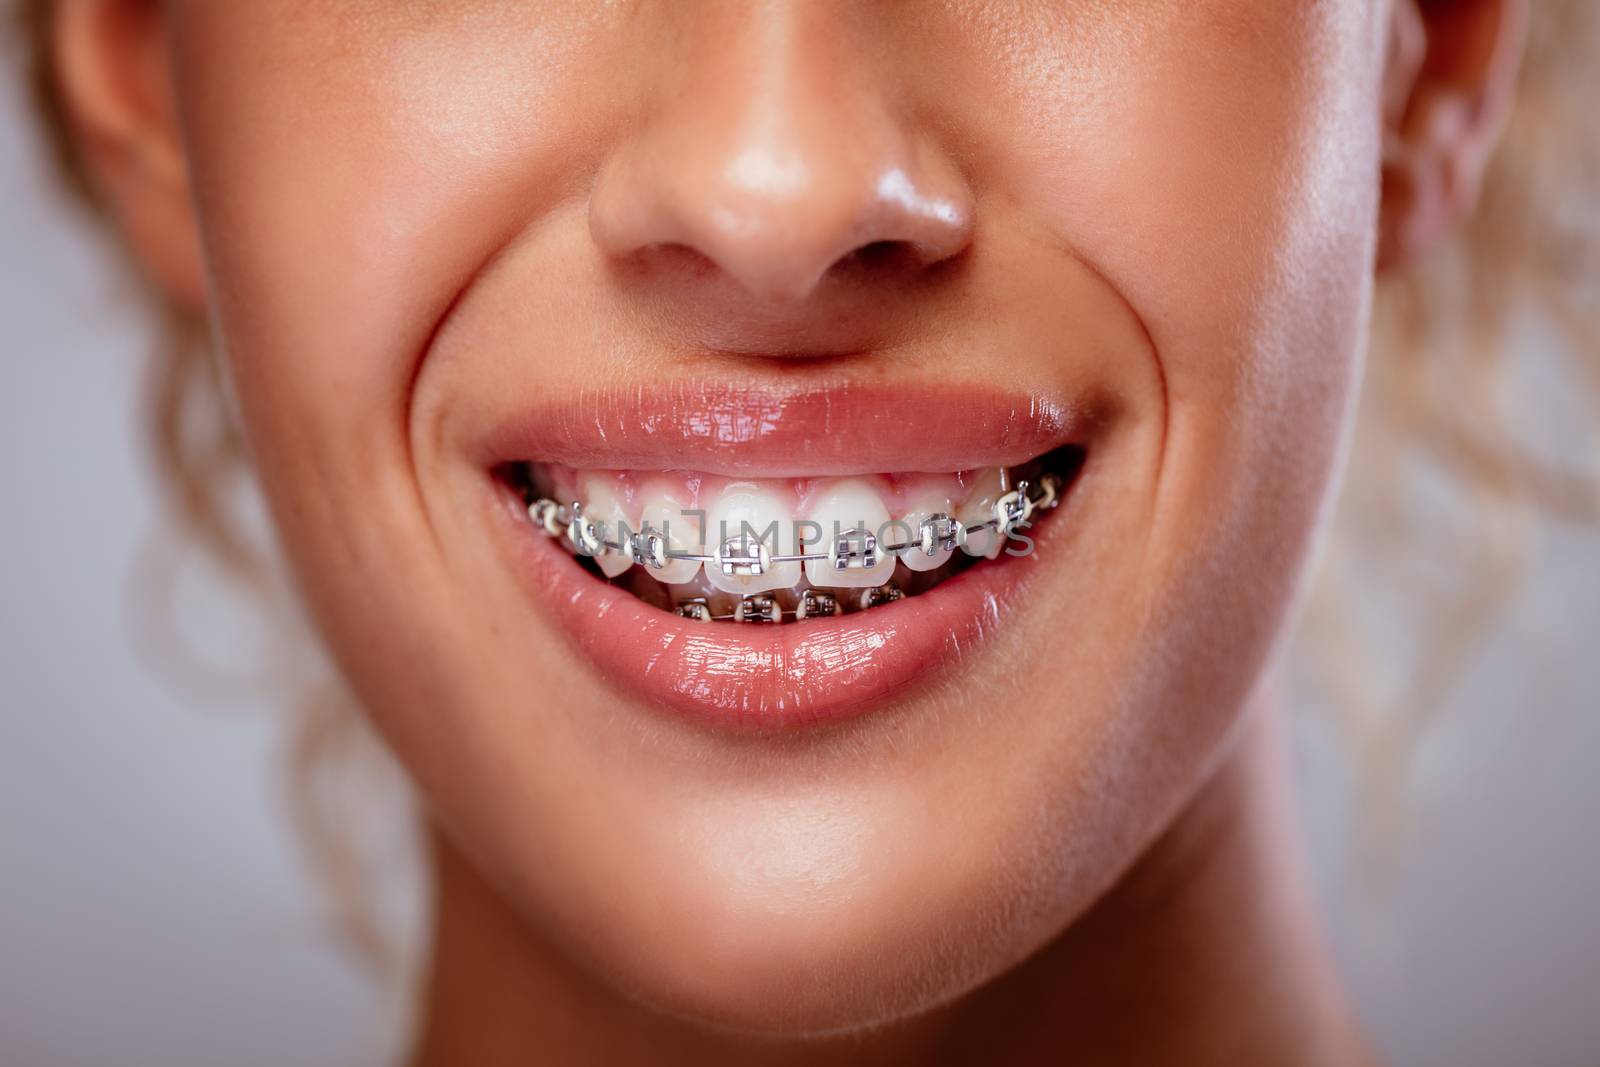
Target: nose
<point>772,153</point>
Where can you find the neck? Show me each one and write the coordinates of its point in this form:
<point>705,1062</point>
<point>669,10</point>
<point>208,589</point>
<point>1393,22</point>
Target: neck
<point>1205,952</point>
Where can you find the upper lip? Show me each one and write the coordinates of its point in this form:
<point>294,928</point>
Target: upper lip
<point>761,430</point>
<point>765,427</point>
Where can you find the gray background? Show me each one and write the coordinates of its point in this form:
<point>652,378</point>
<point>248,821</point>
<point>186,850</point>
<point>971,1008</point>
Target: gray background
<point>155,910</point>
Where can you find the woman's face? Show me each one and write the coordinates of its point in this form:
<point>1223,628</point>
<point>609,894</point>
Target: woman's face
<point>716,256</point>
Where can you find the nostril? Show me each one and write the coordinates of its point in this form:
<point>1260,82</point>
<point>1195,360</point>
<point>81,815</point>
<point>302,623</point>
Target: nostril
<point>882,253</point>
<point>878,257</point>
<point>670,257</point>
<point>687,258</point>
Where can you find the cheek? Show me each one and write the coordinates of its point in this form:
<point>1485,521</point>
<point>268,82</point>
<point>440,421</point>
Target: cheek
<point>1222,176</point>
<point>1253,257</point>
<point>353,164</point>
<point>1217,165</point>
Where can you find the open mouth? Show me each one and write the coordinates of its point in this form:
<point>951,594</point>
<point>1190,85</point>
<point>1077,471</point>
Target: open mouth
<point>713,548</point>
<point>748,556</point>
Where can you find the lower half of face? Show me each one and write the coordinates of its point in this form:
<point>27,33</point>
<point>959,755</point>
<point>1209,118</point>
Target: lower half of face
<point>805,488</point>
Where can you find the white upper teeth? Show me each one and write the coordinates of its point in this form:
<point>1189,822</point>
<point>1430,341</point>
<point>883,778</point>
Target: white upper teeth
<point>930,516</point>
<point>744,557</point>
<point>747,524</point>
<point>669,513</point>
<point>603,505</point>
<point>850,541</point>
<point>849,515</point>
<point>982,538</point>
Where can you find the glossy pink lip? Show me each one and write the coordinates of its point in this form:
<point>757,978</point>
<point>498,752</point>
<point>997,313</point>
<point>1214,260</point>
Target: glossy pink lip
<point>728,428</point>
<point>769,678</point>
<point>795,674</point>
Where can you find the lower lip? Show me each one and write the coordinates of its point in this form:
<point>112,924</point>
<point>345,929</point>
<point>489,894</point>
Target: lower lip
<point>767,677</point>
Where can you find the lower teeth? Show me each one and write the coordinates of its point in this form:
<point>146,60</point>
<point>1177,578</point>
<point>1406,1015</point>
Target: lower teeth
<point>700,601</point>
<point>769,608</point>
<point>815,605</point>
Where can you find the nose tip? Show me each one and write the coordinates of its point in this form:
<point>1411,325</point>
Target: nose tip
<point>778,213</point>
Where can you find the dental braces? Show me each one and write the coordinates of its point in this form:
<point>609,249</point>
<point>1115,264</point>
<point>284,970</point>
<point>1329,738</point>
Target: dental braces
<point>746,556</point>
<point>763,607</point>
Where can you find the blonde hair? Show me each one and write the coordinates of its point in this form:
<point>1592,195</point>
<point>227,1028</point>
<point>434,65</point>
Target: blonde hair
<point>1436,410</point>
<point>1448,479</point>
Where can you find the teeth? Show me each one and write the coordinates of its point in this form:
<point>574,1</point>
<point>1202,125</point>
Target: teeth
<point>817,605</point>
<point>759,608</point>
<point>667,510</point>
<point>921,507</point>
<point>743,523</point>
<point>875,598</point>
<point>1013,509</point>
<point>737,530</point>
<point>603,504</point>
<point>696,609</point>
<point>979,507</point>
<point>851,514</point>
<point>546,515</point>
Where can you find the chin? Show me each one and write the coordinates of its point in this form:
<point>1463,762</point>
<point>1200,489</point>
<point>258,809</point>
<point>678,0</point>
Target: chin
<point>792,951</point>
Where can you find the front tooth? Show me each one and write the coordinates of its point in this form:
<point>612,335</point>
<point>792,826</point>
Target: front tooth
<point>920,507</point>
<point>602,502</point>
<point>850,504</point>
<point>979,507</point>
<point>667,507</point>
<point>746,509</point>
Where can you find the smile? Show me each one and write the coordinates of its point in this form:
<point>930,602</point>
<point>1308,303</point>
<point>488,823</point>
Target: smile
<point>766,551</point>
<point>761,578</point>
